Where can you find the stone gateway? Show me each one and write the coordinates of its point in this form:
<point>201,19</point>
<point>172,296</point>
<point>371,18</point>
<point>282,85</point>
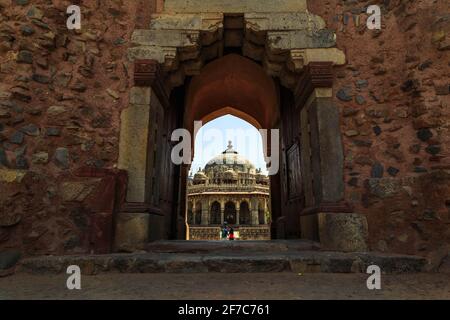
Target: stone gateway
<point>86,118</point>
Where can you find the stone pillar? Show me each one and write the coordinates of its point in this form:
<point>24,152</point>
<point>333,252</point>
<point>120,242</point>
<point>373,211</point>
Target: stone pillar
<point>327,154</point>
<point>205,212</point>
<point>254,211</point>
<point>238,209</point>
<point>323,153</point>
<point>134,142</point>
<point>194,213</point>
<point>328,217</point>
<point>222,212</point>
<point>266,210</point>
<point>132,229</point>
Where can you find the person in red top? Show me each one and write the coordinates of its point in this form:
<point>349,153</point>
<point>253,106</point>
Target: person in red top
<point>231,234</point>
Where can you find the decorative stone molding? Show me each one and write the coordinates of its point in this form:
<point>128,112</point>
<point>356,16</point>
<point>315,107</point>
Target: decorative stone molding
<point>329,207</point>
<point>284,42</point>
<point>148,73</point>
<point>302,57</point>
<point>316,75</point>
<point>140,207</point>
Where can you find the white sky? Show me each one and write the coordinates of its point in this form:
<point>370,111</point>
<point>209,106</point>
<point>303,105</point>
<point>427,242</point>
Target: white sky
<point>212,139</point>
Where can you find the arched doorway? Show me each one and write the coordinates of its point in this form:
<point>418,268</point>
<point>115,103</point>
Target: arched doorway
<point>235,85</point>
<point>198,213</point>
<point>261,213</point>
<point>274,85</point>
<point>244,214</point>
<point>190,214</point>
<point>215,213</point>
<point>230,213</point>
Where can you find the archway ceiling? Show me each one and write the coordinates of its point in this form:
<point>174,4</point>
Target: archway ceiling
<point>282,42</point>
<point>233,85</point>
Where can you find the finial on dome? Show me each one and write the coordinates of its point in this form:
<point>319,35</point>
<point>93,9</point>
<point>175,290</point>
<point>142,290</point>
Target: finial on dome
<point>230,148</point>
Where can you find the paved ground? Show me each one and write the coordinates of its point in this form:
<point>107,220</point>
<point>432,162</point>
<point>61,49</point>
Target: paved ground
<point>227,286</point>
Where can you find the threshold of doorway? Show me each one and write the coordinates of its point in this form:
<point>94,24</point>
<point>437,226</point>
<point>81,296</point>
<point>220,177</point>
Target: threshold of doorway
<point>301,262</point>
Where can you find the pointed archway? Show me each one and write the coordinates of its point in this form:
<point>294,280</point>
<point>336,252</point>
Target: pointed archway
<point>281,79</point>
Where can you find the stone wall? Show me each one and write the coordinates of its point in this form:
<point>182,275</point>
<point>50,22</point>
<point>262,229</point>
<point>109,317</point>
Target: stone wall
<point>61,94</point>
<point>393,96</point>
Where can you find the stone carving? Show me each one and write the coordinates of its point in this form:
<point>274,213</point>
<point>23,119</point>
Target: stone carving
<point>284,42</point>
<point>315,75</point>
<point>147,73</point>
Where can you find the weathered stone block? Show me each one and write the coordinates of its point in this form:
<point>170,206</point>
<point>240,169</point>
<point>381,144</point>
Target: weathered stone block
<point>78,191</point>
<point>165,38</point>
<point>343,231</point>
<point>151,52</point>
<point>204,22</point>
<point>132,231</point>
<point>284,21</point>
<point>10,176</point>
<point>280,41</point>
<point>384,187</point>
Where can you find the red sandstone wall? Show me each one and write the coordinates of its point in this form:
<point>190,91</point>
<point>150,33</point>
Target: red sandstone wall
<point>395,108</point>
<point>61,94</point>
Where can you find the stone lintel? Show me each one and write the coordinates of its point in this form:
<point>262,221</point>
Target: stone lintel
<point>202,22</point>
<point>279,41</point>
<point>283,21</point>
<point>163,55</point>
<point>315,75</point>
<point>234,6</point>
<point>148,73</point>
<point>165,38</point>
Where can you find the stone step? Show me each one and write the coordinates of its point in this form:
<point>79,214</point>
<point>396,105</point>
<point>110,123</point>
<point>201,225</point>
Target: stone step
<point>289,261</point>
<point>272,246</point>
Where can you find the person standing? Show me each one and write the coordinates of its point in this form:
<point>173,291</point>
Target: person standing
<point>224,231</point>
<point>231,236</point>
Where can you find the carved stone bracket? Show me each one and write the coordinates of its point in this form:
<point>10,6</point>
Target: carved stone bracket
<point>148,73</point>
<point>283,42</point>
<point>316,75</point>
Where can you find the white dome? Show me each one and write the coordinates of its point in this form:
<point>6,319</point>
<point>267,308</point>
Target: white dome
<point>230,160</point>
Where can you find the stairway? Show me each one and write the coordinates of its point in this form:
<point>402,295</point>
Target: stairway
<point>227,257</point>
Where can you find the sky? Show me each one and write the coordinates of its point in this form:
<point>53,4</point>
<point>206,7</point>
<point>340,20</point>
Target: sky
<point>212,139</point>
